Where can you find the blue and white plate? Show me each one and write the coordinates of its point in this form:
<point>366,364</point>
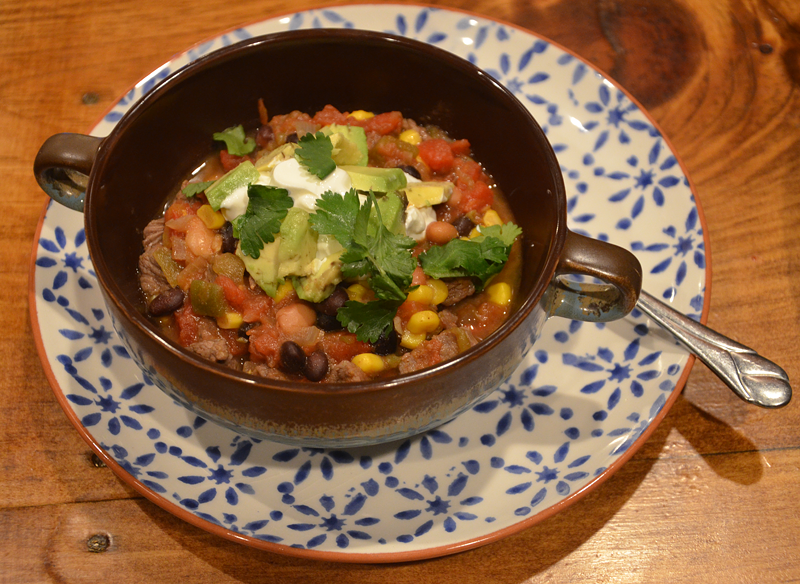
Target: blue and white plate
<point>577,408</point>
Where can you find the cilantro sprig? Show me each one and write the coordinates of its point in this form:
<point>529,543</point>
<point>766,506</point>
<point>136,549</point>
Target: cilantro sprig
<point>372,251</point>
<point>315,152</point>
<point>235,140</point>
<point>266,209</point>
<point>481,257</point>
<point>193,189</point>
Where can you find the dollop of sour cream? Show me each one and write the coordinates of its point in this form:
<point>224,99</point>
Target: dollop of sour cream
<point>306,188</point>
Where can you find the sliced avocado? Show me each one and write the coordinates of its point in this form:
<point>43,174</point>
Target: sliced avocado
<point>391,208</point>
<point>381,180</point>
<point>242,175</point>
<point>321,283</point>
<point>298,244</point>
<point>274,157</point>
<point>427,194</point>
<point>264,269</point>
<point>349,144</point>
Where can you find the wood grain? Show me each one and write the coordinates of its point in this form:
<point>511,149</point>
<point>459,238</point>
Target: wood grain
<point>712,496</point>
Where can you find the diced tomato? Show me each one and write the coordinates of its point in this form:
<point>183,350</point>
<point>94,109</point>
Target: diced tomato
<point>182,207</point>
<point>231,338</point>
<point>391,152</point>
<point>461,147</point>
<point>329,115</point>
<point>265,344</point>
<point>343,346</point>
<point>230,161</point>
<point>475,198</point>
<point>436,153</point>
<point>467,169</point>
<point>382,124</point>
<point>418,278</point>
<point>186,321</point>
<point>235,295</point>
<point>257,308</point>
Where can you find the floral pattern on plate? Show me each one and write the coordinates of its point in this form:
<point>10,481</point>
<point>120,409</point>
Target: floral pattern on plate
<point>576,405</point>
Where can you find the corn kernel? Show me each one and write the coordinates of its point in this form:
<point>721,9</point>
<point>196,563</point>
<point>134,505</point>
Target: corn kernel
<point>425,321</point>
<point>411,136</point>
<point>499,293</point>
<point>491,218</point>
<point>411,340</point>
<point>361,115</point>
<point>230,320</point>
<point>283,290</point>
<point>422,294</point>
<point>368,362</point>
<point>357,292</point>
<point>212,219</point>
<point>440,291</point>
<point>474,233</point>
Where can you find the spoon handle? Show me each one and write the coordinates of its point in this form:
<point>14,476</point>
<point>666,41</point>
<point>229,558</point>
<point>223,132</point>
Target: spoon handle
<point>752,377</point>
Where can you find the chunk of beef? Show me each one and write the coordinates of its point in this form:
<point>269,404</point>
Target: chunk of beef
<point>457,290</point>
<point>263,370</point>
<point>439,348</point>
<point>346,371</point>
<point>212,349</point>
<point>153,233</point>
<point>151,277</point>
<point>448,318</point>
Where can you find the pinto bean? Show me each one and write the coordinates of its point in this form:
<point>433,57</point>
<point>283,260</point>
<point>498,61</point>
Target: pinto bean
<point>440,232</point>
<point>294,317</point>
<point>167,302</point>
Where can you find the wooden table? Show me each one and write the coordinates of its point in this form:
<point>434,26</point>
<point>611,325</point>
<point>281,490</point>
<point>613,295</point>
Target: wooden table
<point>712,496</point>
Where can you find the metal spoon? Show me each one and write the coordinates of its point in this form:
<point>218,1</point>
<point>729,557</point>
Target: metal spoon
<point>753,378</point>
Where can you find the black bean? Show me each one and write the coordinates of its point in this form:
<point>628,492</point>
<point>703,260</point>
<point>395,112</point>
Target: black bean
<point>264,135</point>
<point>167,302</point>
<point>408,169</point>
<point>228,241</point>
<point>292,138</point>
<point>327,322</point>
<point>316,366</point>
<point>293,359</point>
<point>463,225</point>
<point>333,303</point>
<point>242,332</point>
<point>386,343</point>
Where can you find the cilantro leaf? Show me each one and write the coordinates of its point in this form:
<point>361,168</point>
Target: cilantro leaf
<point>371,249</point>
<point>235,141</point>
<point>315,152</point>
<point>368,320</point>
<point>336,215</point>
<point>481,257</point>
<point>193,189</point>
<point>266,209</point>
<point>507,233</point>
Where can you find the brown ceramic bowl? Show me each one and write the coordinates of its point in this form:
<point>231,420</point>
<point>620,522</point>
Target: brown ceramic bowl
<point>133,171</point>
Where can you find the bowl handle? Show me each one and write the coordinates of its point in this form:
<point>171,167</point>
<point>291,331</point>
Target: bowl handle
<point>617,268</point>
<point>62,167</point>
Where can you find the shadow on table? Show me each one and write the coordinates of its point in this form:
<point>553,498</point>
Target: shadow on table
<point>514,559</point>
